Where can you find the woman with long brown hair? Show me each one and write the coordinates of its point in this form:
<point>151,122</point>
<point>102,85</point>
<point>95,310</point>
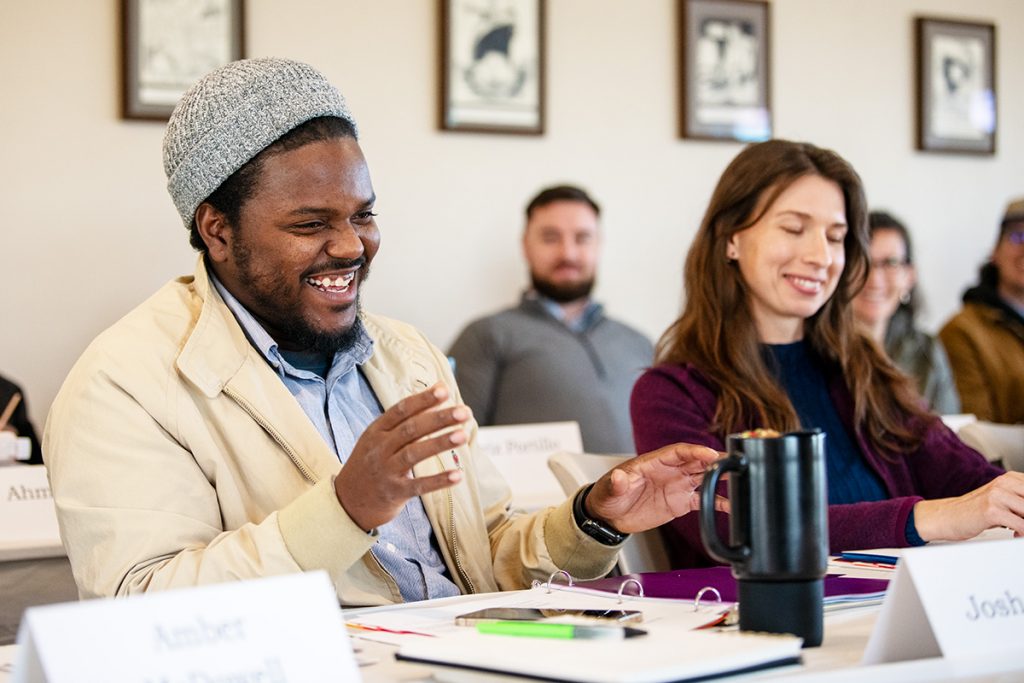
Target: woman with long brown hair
<point>767,339</point>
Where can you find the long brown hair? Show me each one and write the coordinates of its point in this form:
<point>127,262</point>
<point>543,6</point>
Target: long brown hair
<point>716,332</point>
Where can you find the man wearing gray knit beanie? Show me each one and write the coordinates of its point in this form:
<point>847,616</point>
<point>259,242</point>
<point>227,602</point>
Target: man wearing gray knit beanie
<point>251,420</point>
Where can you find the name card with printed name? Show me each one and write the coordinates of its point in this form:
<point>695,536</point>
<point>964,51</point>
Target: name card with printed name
<point>957,600</point>
<point>521,452</point>
<point>28,521</point>
<point>285,629</point>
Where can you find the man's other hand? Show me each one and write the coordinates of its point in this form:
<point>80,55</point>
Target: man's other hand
<point>376,481</point>
<point>652,489</point>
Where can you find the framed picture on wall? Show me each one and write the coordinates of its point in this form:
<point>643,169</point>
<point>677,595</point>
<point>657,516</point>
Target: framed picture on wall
<point>492,66</point>
<point>724,57</point>
<point>956,86</point>
<point>167,45</point>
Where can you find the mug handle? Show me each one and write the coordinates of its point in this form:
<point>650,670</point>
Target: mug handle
<point>708,529</point>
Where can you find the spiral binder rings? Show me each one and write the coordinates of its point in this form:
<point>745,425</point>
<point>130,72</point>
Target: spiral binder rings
<point>688,584</point>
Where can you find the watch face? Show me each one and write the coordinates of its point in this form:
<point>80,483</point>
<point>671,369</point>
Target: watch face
<point>600,532</point>
<point>593,528</point>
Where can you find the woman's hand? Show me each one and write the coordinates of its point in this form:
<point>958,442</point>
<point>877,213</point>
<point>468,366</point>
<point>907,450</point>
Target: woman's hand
<point>998,503</point>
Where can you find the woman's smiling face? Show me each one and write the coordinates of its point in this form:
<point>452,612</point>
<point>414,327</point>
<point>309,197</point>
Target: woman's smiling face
<point>792,257</point>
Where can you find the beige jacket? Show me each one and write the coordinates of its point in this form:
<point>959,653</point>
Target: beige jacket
<point>177,457</point>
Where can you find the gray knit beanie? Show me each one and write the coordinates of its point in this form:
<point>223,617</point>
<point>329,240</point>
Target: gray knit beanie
<point>234,113</point>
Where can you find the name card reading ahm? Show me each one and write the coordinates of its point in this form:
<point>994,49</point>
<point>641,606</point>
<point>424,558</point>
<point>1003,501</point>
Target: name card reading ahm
<point>28,520</point>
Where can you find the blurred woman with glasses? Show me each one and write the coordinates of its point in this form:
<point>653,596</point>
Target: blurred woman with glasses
<point>886,309</point>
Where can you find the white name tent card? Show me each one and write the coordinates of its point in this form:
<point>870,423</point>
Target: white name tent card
<point>957,600</point>
<point>28,520</point>
<point>520,452</point>
<point>278,630</point>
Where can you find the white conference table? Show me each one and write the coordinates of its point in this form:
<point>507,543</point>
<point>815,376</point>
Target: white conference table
<point>837,660</point>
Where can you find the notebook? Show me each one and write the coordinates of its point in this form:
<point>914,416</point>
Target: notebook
<point>662,656</point>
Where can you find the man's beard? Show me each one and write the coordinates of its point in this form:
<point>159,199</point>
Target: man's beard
<point>306,337</point>
<point>287,320</point>
<point>562,293</point>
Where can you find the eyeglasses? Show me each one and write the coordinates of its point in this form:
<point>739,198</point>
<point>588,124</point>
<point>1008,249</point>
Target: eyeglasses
<point>1015,236</point>
<point>889,266</point>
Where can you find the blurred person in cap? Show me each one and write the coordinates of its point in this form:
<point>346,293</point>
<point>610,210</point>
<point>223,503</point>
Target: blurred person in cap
<point>985,340</point>
<point>251,420</point>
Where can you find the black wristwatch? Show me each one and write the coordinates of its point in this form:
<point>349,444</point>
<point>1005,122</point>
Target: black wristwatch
<point>600,532</point>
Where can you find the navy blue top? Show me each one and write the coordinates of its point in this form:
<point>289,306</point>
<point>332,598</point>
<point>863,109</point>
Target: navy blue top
<point>849,478</point>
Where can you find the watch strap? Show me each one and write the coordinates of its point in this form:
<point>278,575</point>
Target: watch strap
<point>599,531</point>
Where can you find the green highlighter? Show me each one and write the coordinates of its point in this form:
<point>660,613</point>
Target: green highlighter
<point>546,629</point>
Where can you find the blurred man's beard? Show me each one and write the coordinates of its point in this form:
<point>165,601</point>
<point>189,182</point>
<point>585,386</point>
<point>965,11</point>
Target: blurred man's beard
<point>562,293</point>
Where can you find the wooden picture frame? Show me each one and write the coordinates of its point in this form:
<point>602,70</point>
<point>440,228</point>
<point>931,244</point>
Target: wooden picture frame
<point>167,45</point>
<point>725,87</point>
<point>492,66</point>
<point>955,85</point>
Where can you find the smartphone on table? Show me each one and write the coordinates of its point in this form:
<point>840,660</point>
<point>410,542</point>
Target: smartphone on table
<point>491,614</point>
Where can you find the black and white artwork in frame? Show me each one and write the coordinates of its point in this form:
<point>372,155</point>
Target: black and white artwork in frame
<point>167,45</point>
<point>956,95</point>
<point>492,65</point>
<point>725,70</point>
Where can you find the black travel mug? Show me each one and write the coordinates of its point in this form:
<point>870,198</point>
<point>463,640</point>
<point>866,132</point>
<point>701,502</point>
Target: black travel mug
<point>778,529</point>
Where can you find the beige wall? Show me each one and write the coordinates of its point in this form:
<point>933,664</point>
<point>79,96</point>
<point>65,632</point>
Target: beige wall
<point>88,230</point>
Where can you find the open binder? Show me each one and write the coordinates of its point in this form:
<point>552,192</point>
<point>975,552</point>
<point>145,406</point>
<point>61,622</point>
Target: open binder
<point>686,584</point>
<point>671,651</point>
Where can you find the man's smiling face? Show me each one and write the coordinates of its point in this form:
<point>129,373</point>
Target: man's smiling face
<point>303,245</point>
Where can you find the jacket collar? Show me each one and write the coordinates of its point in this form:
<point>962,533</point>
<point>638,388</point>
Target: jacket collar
<point>218,359</point>
<point>216,348</point>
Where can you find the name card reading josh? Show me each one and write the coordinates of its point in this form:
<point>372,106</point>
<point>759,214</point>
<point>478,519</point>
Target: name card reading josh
<point>278,630</point>
<point>28,521</point>
<point>954,600</point>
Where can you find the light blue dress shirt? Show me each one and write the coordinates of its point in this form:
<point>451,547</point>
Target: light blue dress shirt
<point>341,405</point>
<point>580,324</point>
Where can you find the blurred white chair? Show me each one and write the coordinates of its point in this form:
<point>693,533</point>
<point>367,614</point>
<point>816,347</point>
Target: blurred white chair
<point>999,443</point>
<point>643,552</point>
<point>958,421</point>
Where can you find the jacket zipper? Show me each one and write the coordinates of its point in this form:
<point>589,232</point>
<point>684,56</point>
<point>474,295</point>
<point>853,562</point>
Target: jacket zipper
<point>292,455</point>
<point>455,542</point>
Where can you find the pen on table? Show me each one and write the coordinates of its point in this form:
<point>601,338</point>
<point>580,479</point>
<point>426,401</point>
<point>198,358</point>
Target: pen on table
<point>9,409</point>
<point>543,629</point>
<point>872,558</point>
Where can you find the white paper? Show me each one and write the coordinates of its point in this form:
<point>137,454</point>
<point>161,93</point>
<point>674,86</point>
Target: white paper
<point>285,628</point>
<point>521,452</point>
<point>436,618</point>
